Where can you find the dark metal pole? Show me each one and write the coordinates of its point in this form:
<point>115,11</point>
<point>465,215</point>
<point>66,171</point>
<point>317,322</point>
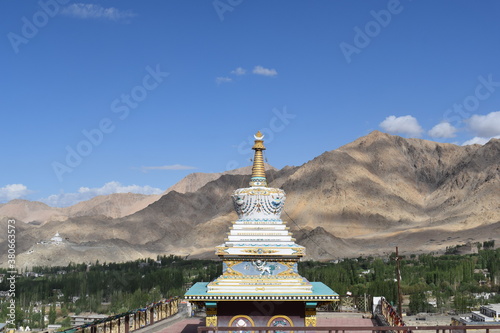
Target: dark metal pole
<point>398,277</point>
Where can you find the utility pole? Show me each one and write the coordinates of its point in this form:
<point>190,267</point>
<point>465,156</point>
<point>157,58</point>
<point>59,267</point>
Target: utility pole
<point>398,277</point>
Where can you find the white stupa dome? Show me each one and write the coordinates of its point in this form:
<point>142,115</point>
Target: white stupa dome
<point>57,238</point>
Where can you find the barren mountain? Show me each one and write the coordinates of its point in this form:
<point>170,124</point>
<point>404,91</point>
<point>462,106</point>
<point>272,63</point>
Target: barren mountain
<point>194,181</point>
<point>29,211</point>
<point>113,205</point>
<point>361,199</point>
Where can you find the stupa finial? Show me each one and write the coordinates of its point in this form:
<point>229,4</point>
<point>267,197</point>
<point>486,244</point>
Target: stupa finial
<point>258,171</point>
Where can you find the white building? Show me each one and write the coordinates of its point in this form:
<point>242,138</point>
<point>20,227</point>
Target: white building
<point>85,318</point>
<point>57,239</point>
<point>487,314</point>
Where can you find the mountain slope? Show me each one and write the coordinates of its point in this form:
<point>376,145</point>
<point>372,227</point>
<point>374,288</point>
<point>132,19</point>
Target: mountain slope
<point>363,198</point>
<point>196,180</point>
<point>114,205</point>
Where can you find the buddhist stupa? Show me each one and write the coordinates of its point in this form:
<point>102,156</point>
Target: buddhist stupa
<point>260,284</point>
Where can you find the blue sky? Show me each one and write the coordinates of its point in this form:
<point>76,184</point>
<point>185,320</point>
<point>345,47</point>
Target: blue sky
<point>115,96</point>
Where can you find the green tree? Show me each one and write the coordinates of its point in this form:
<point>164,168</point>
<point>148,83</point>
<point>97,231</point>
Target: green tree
<point>20,316</point>
<point>66,322</point>
<point>463,302</point>
<point>418,303</point>
<point>35,320</point>
<point>52,314</point>
<point>489,244</point>
<point>64,311</point>
<point>42,317</point>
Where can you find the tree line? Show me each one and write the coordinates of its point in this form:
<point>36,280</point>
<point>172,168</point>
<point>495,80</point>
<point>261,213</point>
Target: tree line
<point>445,283</point>
<point>449,282</point>
<point>108,288</point>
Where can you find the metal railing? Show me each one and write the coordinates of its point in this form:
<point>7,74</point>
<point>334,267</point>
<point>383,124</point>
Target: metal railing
<point>349,303</point>
<point>389,314</point>
<point>344,329</point>
<point>131,320</point>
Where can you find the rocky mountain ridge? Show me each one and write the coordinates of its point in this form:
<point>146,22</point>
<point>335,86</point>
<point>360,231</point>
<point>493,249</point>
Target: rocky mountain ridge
<point>114,205</point>
<point>361,199</point>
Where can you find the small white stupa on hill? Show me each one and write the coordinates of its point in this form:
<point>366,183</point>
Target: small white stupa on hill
<point>56,239</point>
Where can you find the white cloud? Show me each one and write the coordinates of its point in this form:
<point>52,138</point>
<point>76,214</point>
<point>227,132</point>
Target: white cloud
<point>86,193</point>
<point>402,125</point>
<point>167,167</point>
<point>443,130</point>
<point>91,11</point>
<point>259,70</point>
<point>13,191</point>
<point>485,126</point>
<point>222,79</point>
<point>475,140</point>
<point>479,140</point>
<point>239,71</point>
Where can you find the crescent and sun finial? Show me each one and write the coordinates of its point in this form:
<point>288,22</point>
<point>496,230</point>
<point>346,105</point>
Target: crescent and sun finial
<point>259,136</point>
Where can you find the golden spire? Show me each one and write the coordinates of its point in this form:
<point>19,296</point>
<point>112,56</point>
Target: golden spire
<point>258,171</point>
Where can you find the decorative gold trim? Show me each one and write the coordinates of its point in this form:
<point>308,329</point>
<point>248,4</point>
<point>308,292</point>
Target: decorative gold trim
<point>253,232</point>
<point>211,321</point>
<point>299,251</point>
<point>231,263</point>
<point>275,294</point>
<point>202,300</point>
<point>310,321</point>
<point>310,312</point>
<point>251,227</point>
<point>246,257</point>
<point>259,191</point>
<point>259,222</point>
<point>287,275</point>
<point>278,316</point>
<point>211,311</point>
<point>221,250</point>
<point>260,251</point>
<point>244,316</point>
<point>288,272</point>
<point>285,261</point>
<point>232,272</point>
<point>258,170</point>
<point>239,247</point>
<point>290,296</point>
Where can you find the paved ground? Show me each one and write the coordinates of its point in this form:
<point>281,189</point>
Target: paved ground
<point>428,319</point>
<point>344,319</point>
<point>189,325</point>
<point>176,324</point>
